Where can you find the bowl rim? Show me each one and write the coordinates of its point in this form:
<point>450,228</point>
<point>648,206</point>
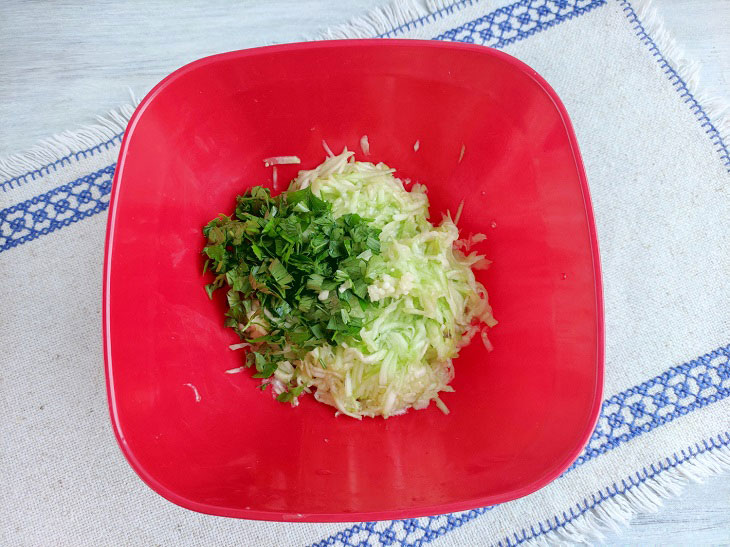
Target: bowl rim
<point>411,512</point>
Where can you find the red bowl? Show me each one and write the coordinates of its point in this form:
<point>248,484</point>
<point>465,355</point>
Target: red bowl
<point>519,415</point>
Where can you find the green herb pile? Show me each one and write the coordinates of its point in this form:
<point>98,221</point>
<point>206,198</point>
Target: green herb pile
<point>296,276</point>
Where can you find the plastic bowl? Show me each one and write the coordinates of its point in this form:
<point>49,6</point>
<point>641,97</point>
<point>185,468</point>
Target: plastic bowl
<point>211,441</point>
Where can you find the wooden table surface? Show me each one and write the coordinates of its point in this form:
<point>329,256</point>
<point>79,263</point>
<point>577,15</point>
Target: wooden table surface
<point>63,62</point>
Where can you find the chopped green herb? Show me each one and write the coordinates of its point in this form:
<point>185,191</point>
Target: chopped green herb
<point>288,254</point>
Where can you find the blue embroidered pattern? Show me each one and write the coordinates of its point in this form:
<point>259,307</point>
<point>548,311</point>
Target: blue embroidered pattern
<point>40,172</point>
<point>679,84</point>
<point>658,401</point>
<point>674,393</point>
<point>518,21</point>
<point>53,210</point>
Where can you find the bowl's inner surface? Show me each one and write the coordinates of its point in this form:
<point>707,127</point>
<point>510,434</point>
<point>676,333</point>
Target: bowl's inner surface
<point>518,414</point>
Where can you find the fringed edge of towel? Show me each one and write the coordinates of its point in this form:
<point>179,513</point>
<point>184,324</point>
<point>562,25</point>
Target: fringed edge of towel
<point>384,19</point>
<point>616,509</point>
<point>717,108</point>
<point>107,130</point>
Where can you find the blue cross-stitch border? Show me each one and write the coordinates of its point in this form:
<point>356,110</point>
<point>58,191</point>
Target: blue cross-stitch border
<point>658,401</point>
<point>517,21</point>
<point>679,84</point>
<point>56,209</point>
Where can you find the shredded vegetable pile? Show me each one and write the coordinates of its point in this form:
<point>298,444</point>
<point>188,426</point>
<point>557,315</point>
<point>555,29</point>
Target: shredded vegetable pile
<point>341,287</point>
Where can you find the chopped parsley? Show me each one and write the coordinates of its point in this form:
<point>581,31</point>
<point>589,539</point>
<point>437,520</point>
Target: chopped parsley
<point>295,275</point>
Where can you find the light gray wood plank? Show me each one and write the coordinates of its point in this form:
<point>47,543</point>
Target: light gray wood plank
<point>62,63</point>
<point>702,29</point>
<point>700,516</point>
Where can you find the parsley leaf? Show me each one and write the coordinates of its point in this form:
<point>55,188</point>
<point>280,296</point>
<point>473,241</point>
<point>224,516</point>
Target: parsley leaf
<point>295,275</point>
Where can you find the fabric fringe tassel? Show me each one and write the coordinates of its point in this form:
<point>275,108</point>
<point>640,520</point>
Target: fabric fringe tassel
<point>716,107</point>
<point>613,514</point>
<point>55,148</point>
<point>382,20</point>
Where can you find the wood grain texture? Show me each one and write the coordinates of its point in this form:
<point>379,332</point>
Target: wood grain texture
<point>63,62</point>
<point>702,28</point>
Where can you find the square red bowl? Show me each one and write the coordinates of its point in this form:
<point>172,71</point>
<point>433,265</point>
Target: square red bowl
<point>211,441</point>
